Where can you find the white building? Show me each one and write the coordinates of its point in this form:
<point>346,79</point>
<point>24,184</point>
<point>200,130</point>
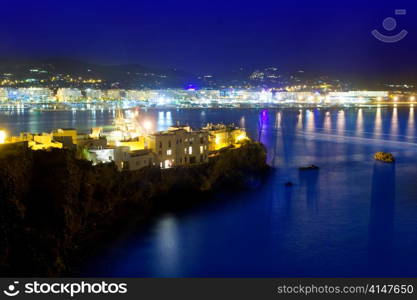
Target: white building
<point>136,95</point>
<point>179,146</point>
<point>31,94</point>
<point>136,160</point>
<point>124,159</point>
<point>357,96</point>
<point>68,94</point>
<point>93,94</point>
<point>4,95</point>
<point>297,97</point>
<point>114,94</point>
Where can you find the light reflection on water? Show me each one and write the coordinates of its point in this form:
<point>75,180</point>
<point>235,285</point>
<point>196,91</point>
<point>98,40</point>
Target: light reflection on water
<point>411,128</point>
<point>354,217</point>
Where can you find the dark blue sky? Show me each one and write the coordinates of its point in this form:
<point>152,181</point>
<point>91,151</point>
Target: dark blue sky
<point>213,36</point>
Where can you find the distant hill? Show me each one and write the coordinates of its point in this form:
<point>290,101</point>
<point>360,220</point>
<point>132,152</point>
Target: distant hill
<point>55,73</point>
<point>69,72</point>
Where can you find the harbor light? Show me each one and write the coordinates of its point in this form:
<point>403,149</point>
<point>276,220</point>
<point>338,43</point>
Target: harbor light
<point>147,125</point>
<point>241,138</point>
<point>3,136</point>
<point>412,98</point>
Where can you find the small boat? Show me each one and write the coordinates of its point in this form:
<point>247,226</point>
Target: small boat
<point>311,167</point>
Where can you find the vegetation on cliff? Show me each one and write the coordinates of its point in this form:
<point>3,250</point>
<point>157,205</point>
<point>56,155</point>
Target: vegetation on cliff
<point>49,198</point>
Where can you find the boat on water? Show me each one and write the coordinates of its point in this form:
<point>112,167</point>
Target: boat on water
<point>309,168</point>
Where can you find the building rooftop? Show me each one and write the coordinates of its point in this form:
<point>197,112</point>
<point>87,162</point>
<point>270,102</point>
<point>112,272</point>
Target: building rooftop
<point>140,152</point>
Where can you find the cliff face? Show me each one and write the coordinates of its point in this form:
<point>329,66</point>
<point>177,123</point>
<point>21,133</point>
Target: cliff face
<point>49,198</point>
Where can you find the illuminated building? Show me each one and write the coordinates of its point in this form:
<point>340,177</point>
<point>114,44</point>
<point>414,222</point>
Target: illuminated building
<point>36,141</point>
<point>124,159</point>
<point>91,142</point>
<point>93,94</point>
<point>30,94</point>
<point>223,136</point>
<point>68,95</point>
<point>68,137</point>
<point>357,96</point>
<point>44,141</point>
<point>296,96</point>
<point>113,94</point>
<point>137,143</point>
<point>136,95</point>
<point>179,146</point>
<point>136,160</point>
<point>104,155</point>
<point>4,95</point>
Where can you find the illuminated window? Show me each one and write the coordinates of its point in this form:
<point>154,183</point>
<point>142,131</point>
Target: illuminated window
<point>201,149</point>
<point>185,150</point>
<point>190,150</point>
<point>169,152</point>
<point>168,164</point>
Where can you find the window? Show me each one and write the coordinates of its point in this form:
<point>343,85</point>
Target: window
<point>169,144</point>
<point>201,149</point>
<point>190,150</point>
<point>160,144</point>
<point>185,150</point>
<point>169,152</point>
<point>167,164</point>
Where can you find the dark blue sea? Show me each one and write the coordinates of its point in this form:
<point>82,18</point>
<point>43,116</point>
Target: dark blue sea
<point>353,217</point>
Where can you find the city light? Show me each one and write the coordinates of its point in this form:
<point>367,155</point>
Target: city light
<point>241,137</point>
<point>147,125</point>
<point>3,136</point>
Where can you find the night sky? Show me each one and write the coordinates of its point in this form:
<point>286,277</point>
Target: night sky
<point>214,36</point>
